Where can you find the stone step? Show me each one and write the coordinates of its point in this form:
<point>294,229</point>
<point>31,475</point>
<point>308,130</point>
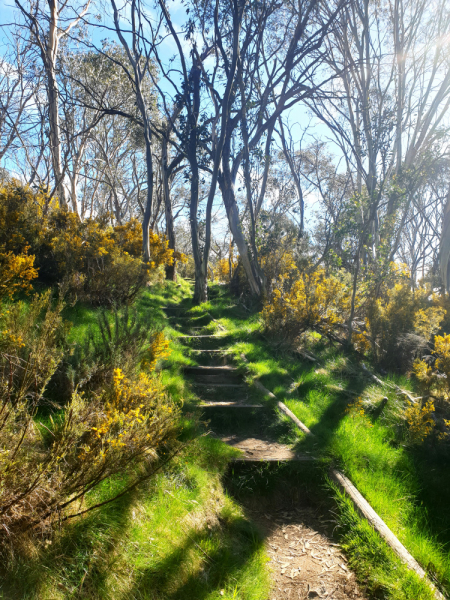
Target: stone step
<point>214,375</point>
<point>214,335</point>
<point>268,458</point>
<point>260,450</point>
<point>217,380</point>
<point>194,331</point>
<point>211,370</point>
<point>200,350</point>
<point>222,386</point>
<point>215,358</point>
<point>238,404</point>
<point>222,393</point>
<point>192,317</point>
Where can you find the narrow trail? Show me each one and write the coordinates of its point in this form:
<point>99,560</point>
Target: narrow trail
<point>304,560</point>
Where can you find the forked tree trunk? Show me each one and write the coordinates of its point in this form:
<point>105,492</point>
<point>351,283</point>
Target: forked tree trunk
<point>226,183</point>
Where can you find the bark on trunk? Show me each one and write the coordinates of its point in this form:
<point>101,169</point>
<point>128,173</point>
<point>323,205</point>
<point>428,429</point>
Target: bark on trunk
<point>53,102</point>
<point>229,199</point>
<point>171,271</point>
<point>148,204</point>
<point>201,288</point>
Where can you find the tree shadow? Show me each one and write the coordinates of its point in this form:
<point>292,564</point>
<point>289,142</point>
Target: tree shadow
<point>424,471</point>
<point>75,557</point>
<point>172,578</point>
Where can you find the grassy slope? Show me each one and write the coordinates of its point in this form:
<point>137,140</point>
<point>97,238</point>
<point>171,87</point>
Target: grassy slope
<point>179,537</point>
<point>183,537</point>
<point>409,488</point>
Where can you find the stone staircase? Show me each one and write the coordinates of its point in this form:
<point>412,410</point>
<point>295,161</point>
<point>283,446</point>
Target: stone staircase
<point>236,413</point>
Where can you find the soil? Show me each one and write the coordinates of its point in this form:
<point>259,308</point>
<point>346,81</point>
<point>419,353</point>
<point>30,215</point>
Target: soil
<point>305,562</point>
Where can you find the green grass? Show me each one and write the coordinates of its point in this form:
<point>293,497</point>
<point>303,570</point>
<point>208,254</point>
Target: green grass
<point>184,536</point>
<point>178,537</point>
<point>408,486</point>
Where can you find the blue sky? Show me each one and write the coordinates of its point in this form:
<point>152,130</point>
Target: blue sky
<point>297,115</point>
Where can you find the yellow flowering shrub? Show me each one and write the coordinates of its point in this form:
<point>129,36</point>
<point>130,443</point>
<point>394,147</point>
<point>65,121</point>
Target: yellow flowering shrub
<point>16,273</point>
<point>399,320</point>
<point>22,218</point>
<point>116,280</point>
<point>279,264</point>
<point>137,417</point>
<point>314,301</point>
<point>126,423</point>
<point>419,421</point>
<point>221,271</point>
<point>224,268</point>
<point>361,341</point>
<point>129,238</point>
<point>356,409</point>
<point>159,349</point>
<point>78,246</point>
<point>96,261</point>
<point>103,264</point>
<point>435,380</point>
<point>428,321</point>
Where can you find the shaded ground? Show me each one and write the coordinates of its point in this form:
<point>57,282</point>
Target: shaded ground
<point>304,560</point>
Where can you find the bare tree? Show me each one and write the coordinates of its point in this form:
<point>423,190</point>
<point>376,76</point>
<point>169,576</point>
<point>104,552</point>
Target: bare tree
<point>19,85</point>
<point>49,23</point>
<point>386,110</point>
<point>268,55</point>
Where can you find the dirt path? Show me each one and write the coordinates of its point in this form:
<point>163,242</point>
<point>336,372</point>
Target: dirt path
<point>304,560</point>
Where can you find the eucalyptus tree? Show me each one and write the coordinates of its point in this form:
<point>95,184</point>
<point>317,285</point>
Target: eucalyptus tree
<point>104,140</point>
<point>114,174</point>
<point>19,87</point>
<point>266,61</point>
<point>386,111</point>
<point>49,22</point>
<point>242,64</point>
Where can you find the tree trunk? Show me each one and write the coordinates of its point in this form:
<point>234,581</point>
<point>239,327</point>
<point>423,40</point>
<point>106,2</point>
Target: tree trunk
<point>201,287</point>
<point>171,271</point>
<point>53,102</point>
<point>148,204</point>
<point>229,199</point>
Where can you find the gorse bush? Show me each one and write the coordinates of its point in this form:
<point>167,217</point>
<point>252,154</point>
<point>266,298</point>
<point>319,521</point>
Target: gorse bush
<point>314,301</point>
<point>16,273</point>
<point>102,264</point>
<point>224,268</point>
<point>126,342</point>
<point>95,261</point>
<point>136,415</point>
<point>23,218</point>
<point>392,321</point>
<point>420,422</point>
<point>434,378</point>
<point>399,320</point>
<point>53,451</point>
